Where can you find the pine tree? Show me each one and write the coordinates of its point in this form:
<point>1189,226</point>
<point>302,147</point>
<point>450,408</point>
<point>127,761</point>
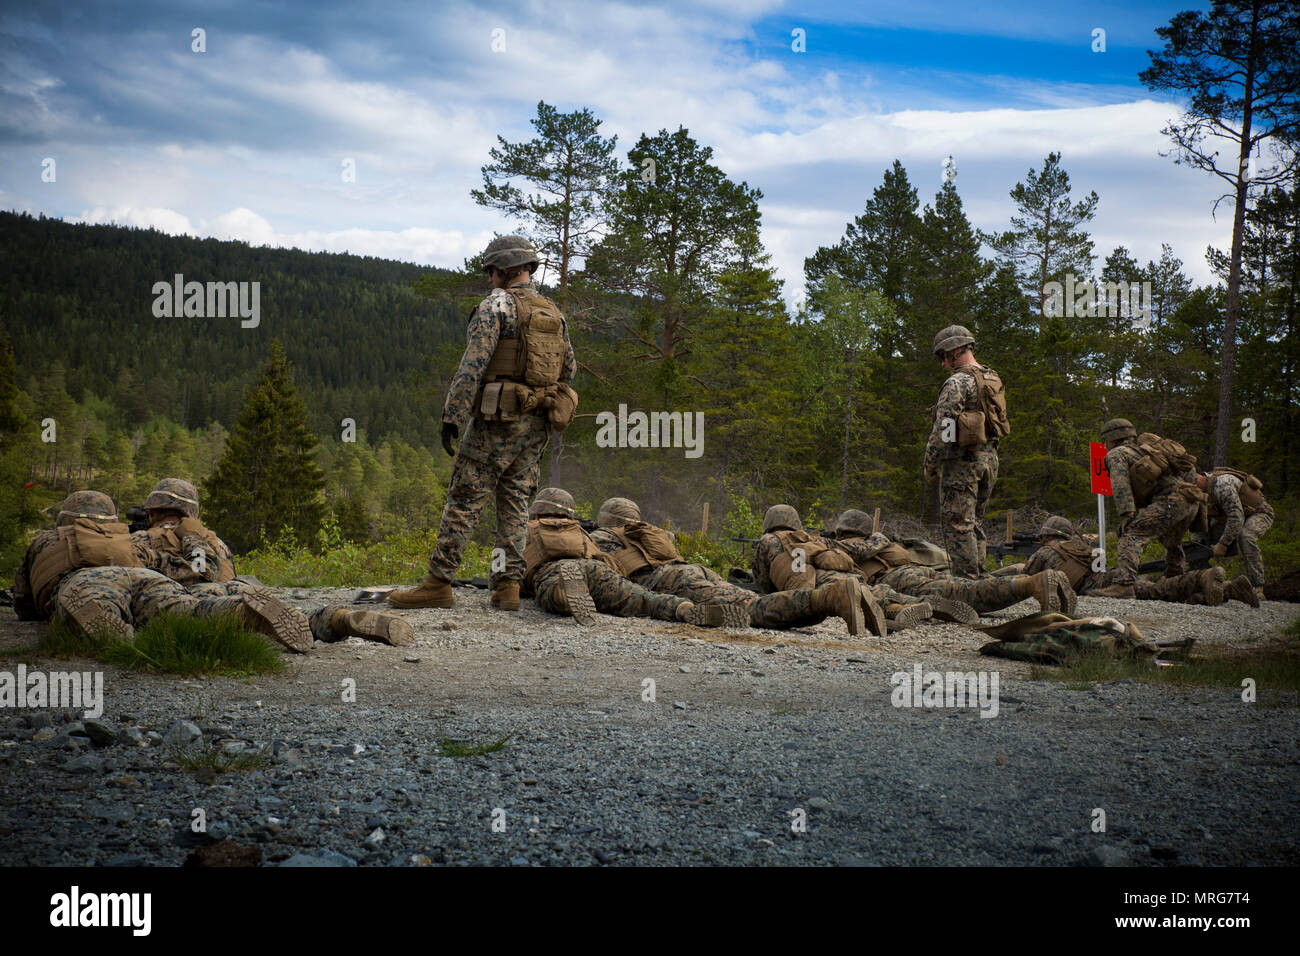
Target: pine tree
<point>268,478</point>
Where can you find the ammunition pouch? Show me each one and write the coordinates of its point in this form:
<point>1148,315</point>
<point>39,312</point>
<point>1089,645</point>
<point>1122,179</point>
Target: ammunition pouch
<point>970,428</point>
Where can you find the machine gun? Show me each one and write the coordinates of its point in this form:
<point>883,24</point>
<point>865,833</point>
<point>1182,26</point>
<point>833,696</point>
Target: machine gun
<point>1022,543</point>
<point>1198,556</point>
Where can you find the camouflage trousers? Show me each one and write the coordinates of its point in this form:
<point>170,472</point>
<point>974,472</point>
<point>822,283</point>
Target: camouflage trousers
<point>883,593</point>
<point>990,593</point>
<point>610,591</point>
<point>136,595</point>
<point>1165,519</point>
<point>1179,589</point>
<point>501,458</point>
<point>1256,527</point>
<point>319,619</point>
<point>965,486</point>
<point>701,585</point>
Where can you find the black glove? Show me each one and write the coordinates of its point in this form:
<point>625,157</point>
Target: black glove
<point>450,432</point>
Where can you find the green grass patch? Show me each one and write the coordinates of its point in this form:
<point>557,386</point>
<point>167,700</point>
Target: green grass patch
<point>1273,664</point>
<point>447,747</point>
<point>398,559</point>
<point>197,758</point>
<point>173,644</point>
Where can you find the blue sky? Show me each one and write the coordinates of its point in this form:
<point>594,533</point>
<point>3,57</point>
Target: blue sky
<point>247,139</point>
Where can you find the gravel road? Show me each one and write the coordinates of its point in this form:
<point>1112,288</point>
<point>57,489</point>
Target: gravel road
<point>758,748</point>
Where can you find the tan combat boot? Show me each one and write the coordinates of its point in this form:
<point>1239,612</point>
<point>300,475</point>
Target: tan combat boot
<point>1115,591</point>
<point>1212,590</point>
<point>574,596</point>
<point>97,619</point>
<point>431,592</point>
<point>373,626</point>
<point>265,613</point>
<point>843,600</point>
<point>958,612</point>
<point>1240,589</point>
<point>902,616</point>
<point>1051,589</point>
<point>506,595</point>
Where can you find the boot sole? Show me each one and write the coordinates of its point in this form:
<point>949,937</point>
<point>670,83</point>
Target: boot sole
<point>912,614</point>
<point>1064,593</point>
<point>958,612</point>
<point>577,597</point>
<point>271,616</point>
<point>386,628</point>
<point>96,619</point>
<point>1242,590</point>
<point>730,616</point>
<point>873,614</point>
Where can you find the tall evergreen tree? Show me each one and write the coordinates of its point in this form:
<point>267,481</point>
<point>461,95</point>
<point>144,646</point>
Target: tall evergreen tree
<point>568,167</point>
<point>1046,240</point>
<point>268,478</point>
<point>1238,65</point>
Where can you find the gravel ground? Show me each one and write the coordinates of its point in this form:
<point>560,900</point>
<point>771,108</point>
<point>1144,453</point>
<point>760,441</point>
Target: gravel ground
<point>760,747</point>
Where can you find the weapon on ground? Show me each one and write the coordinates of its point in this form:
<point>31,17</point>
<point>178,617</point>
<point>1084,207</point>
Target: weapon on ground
<point>138,519</point>
<point>1198,556</point>
<point>742,579</point>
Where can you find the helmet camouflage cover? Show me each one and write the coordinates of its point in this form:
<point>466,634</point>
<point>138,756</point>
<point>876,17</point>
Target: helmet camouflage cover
<point>86,504</point>
<point>781,516</point>
<point>1056,527</point>
<point>616,512</point>
<point>507,252</point>
<point>551,503</point>
<point>173,494</point>
<point>953,337</point>
<point>1117,429</point>
<point>853,522</point>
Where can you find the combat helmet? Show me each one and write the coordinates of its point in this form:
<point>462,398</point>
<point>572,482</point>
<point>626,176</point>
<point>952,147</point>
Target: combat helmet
<point>1117,429</point>
<point>1056,527</point>
<point>507,252</point>
<point>86,504</point>
<point>552,503</point>
<point>616,512</point>
<point>853,523</point>
<point>173,494</point>
<point>953,337</point>
<point>781,518</point>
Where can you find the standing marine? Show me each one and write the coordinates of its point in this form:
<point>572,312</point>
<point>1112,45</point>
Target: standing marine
<point>962,451</point>
<point>508,393</point>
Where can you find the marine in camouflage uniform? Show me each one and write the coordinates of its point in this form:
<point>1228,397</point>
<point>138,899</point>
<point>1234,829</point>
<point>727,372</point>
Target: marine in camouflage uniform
<point>1055,639</point>
<point>580,586</point>
<point>114,599</point>
<point>1229,522</point>
<point>875,558</point>
<point>494,457</point>
<point>966,474</point>
<point>881,604</point>
<point>196,557</point>
<point>191,553</point>
<point>1067,551</point>
<point>1173,506</point>
<point>799,607</point>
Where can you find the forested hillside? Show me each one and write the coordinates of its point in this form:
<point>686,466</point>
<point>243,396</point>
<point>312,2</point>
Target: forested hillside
<point>77,302</point>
